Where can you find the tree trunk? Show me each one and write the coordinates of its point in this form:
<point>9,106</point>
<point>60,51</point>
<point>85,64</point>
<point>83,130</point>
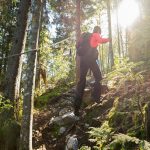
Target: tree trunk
<point>2,54</point>
<point>13,74</point>
<point>78,33</point>
<point>111,55</point>
<point>118,29</point>
<point>27,120</point>
<point>38,78</point>
<point>147,121</point>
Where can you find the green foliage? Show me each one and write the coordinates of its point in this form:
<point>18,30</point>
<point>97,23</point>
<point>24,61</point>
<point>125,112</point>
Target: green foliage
<point>126,117</point>
<point>55,130</point>
<point>8,13</point>
<point>65,18</point>
<point>44,99</point>
<point>124,71</point>
<point>101,135</point>
<point>85,148</point>
<point>105,139</point>
<point>127,142</point>
<point>61,66</point>
<point>9,128</point>
<point>5,105</point>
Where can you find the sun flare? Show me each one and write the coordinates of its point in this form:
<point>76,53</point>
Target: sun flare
<point>128,12</point>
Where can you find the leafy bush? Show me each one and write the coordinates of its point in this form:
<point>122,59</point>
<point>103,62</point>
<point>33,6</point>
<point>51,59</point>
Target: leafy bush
<point>127,142</point>
<point>124,71</point>
<point>101,135</point>
<point>9,128</point>
<point>4,104</point>
<point>106,139</point>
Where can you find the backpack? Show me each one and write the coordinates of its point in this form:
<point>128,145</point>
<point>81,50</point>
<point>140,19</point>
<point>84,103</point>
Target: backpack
<point>83,46</point>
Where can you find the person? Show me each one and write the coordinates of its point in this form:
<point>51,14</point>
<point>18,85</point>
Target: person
<point>88,61</point>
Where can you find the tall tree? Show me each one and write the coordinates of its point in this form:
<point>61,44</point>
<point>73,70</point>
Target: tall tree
<point>13,75</point>
<point>78,32</point>
<point>27,121</point>
<point>111,55</point>
<point>8,11</point>
<point>118,29</point>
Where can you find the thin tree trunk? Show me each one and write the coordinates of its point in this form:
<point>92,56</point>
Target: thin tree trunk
<point>147,121</point>
<point>118,30</point>
<point>2,54</point>
<point>126,34</point>
<point>78,33</point>
<point>14,70</point>
<point>27,121</point>
<point>38,68</point>
<point>121,43</point>
<point>111,55</point>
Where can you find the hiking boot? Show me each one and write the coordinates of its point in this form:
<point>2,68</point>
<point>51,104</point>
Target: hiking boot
<point>77,105</point>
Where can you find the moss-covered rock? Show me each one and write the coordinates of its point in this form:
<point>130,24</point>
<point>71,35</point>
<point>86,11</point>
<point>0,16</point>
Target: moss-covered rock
<point>51,95</point>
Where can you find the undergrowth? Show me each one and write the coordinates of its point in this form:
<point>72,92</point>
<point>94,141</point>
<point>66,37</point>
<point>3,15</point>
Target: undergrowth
<point>43,100</point>
<point>9,128</point>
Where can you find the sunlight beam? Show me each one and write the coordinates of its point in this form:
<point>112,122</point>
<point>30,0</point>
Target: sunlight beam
<point>128,12</point>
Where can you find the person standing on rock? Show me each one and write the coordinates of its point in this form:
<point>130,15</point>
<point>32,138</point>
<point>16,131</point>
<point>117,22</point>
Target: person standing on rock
<point>87,50</point>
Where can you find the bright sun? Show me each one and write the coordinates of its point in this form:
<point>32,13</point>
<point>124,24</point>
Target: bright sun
<point>128,12</point>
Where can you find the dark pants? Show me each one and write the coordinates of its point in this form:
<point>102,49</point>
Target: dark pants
<point>87,63</point>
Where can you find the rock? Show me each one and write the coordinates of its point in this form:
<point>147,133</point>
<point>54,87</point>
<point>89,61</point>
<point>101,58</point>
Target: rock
<point>69,118</point>
<point>72,143</point>
<point>65,119</point>
<point>57,120</point>
<point>62,130</point>
<point>65,102</point>
<point>65,110</point>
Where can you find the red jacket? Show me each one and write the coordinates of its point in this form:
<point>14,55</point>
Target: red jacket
<point>96,39</point>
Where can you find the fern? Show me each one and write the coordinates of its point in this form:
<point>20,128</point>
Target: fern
<point>125,71</point>
<point>85,148</point>
<point>123,138</point>
<point>101,135</point>
<point>4,104</point>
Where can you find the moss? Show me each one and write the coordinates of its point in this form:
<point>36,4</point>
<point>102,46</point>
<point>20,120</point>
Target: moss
<point>55,130</point>
<point>44,99</point>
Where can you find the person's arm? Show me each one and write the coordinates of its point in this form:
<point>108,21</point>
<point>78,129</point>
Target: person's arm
<point>100,39</point>
<point>104,40</point>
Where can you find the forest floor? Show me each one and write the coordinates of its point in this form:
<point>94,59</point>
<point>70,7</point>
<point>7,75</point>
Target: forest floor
<point>47,136</point>
<point>54,125</point>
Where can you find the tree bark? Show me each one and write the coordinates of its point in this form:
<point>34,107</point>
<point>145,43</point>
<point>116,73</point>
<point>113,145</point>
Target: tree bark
<point>111,55</point>
<point>38,78</point>
<point>14,69</point>
<point>27,120</point>
<point>147,121</point>
<point>118,29</point>
<point>78,33</point>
